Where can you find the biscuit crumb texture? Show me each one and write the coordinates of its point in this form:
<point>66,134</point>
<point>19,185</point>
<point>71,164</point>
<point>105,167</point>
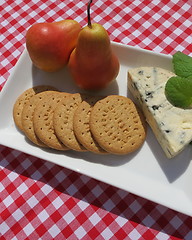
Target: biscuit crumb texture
<point>116,125</point>
<point>63,122</point>
<point>43,121</point>
<point>23,99</point>
<point>81,125</point>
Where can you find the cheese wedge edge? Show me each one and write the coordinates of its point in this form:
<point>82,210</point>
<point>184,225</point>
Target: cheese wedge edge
<point>172,126</point>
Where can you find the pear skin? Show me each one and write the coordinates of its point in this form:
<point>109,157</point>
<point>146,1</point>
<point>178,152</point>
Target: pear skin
<point>50,44</point>
<point>92,63</point>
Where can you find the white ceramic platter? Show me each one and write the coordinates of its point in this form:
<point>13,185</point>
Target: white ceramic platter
<point>147,172</point>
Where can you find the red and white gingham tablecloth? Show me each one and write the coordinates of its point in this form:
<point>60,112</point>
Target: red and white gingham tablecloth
<point>40,200</point>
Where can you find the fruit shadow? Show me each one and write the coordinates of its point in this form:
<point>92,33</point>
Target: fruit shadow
<point>63,81</point>
<point>173,168</point>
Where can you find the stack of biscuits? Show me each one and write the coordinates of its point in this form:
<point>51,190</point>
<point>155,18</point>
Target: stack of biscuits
<point>80,122</point>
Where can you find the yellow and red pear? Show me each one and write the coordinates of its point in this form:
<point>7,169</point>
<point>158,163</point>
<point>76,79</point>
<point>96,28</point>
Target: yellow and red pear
<point>50,44</point>
<point>92,64</point>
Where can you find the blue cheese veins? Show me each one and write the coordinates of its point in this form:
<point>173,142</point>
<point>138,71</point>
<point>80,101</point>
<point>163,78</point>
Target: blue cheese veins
<point>172,126</point>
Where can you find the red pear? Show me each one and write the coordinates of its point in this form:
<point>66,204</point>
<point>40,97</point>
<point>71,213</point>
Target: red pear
<point>92,64</point>
<point>50,44</point>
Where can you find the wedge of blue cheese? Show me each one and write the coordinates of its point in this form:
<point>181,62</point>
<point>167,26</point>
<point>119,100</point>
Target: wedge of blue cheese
<point>172,126</point>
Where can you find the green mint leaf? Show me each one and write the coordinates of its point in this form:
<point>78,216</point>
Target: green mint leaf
<point>182,64</point>
<point>178,91</point>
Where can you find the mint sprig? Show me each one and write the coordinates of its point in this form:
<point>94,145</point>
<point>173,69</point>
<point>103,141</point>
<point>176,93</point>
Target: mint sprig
<point>178,89</point>
<point>182,64</point>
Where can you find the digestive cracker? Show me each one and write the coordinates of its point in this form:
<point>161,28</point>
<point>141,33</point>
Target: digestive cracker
<point>81,125</point>
<point>28,113</point>
<point>63,121</point>
<point>23,99</point>
<point>116,125</point>
<point>43,121</point>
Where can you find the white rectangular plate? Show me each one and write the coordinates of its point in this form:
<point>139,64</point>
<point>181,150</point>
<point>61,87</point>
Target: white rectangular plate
<point>147,172</point>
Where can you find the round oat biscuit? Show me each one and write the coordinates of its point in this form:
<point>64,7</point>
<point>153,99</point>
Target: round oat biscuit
<point>28,112</point>
<point>116,125</point>
<point>43,121</point>
<point>63,121</point>
<point>23,99</point>
<point>81,125</point>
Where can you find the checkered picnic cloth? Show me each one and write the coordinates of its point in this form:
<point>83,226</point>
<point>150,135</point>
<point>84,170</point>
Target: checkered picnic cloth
<point>40,200</point>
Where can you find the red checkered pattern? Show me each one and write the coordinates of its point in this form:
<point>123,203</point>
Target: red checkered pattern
<point>39,200</point>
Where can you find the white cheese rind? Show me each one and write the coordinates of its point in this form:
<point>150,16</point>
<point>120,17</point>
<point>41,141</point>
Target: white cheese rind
<point>172,126</point>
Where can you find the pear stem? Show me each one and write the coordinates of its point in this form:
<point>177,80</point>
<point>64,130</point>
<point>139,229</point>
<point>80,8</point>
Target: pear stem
<point>88,14</point>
